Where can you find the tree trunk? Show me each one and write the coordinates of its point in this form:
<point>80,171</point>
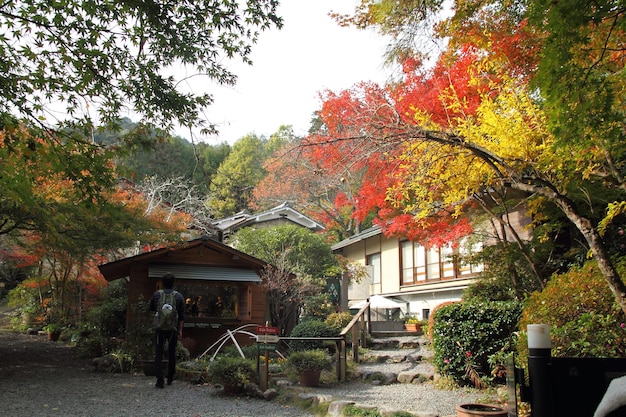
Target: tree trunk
<point>583,224</point>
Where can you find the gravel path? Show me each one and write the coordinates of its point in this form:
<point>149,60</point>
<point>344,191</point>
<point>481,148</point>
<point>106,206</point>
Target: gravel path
<point>41,378</point>
<point>421,399</point>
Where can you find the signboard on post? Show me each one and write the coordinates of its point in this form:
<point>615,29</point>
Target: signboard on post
<point>267,330</point>
<point>267,337</point>
<point>267,334</point>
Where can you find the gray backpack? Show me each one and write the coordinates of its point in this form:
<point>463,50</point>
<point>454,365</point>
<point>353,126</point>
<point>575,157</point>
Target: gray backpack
<point>166,316</point>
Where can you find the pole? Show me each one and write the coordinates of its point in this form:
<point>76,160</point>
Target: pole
<point>539,358</point>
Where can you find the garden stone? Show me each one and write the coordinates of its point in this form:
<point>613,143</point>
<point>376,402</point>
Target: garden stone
<point>335,409</point>
<point>406,377</point>
<point>106,363</point>
<point>270,394</point>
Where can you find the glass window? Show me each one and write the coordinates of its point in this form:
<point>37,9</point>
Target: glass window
<point>433,264</point>
<point>420,263</point>
<point>374,261</point>
<point>466,250</point>
<point>447,261</point>
<point>214,300</point>
<point>406,251</point>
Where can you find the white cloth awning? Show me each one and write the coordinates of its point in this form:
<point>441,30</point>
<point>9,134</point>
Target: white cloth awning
<point>378,302</point>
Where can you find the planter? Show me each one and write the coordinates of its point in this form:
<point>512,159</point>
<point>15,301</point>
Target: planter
<point>480,410</point>
<point>149,367</point>
<point>191,376</point>
<point>414,327</point>
<point>54,335</point>
<point>310,378</point>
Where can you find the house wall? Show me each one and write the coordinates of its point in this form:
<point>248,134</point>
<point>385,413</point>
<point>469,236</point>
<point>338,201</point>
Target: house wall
<point>200,333</point>
<point>422,297</point>
<point>417,299</point>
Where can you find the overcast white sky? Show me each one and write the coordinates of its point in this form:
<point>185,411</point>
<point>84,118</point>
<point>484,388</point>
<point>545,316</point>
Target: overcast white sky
<point>309,54</point>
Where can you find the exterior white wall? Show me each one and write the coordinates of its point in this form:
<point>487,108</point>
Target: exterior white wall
<point>415,298</point>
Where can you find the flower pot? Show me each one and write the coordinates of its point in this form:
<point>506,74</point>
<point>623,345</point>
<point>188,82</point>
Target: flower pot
<point>53,336</point>
<point>310,378</point>
<point>412,327</point>
<point>480,410</point>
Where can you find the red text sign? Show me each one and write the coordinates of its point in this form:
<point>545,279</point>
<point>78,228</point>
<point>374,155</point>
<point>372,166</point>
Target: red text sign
<point>267,330</point>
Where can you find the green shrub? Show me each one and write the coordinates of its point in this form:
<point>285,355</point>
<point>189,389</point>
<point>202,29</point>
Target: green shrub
<point>232,352</point>
<point>317,307</point>
<point>313,328</point>
<point>94,345</point>
<point>309,360</point>
<point>109,317</point>
<point>466,334</point>
<point>584,319</point>
<point>232,372</point>
<point>338,321</point>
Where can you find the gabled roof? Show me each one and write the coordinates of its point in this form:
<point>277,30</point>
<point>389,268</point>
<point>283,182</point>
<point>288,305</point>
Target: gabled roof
<point>359,237</point>
<point>281,212</point>
<point>121,268</point>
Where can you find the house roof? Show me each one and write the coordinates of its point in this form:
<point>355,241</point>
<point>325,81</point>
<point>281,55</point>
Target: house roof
<point>281,212</point>
<point>121,268</point>
<point>359,237</point>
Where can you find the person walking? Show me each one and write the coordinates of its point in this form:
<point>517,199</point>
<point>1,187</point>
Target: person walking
<point>169,308</point>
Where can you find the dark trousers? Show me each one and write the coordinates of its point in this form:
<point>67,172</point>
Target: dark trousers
<point>171,336</point>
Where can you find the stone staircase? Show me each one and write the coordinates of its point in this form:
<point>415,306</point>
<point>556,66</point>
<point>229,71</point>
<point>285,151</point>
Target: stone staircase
<point>399,359</point>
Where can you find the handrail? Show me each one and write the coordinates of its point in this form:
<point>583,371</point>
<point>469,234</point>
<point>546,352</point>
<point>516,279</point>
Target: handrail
<point>362,329</point>
<point>358,327</point>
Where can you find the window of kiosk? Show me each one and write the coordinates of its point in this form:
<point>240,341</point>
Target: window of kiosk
<point>211,300</point>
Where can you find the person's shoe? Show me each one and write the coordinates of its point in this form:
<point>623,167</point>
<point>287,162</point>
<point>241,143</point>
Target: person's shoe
<point>169,381</point>
<point>159,384</point>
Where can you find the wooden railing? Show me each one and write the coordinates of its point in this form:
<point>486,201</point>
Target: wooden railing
<point>358,329</point>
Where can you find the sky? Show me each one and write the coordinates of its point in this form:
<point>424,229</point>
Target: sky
<point>291,66</point>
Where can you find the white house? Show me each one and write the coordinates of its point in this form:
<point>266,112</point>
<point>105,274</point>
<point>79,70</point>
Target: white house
<point>406,272</point>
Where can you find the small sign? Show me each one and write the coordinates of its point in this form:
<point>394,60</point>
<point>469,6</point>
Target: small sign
<point>267,330</point>
<point>267,338</point>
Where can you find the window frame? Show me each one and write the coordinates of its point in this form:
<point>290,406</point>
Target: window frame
<point>419,265</point>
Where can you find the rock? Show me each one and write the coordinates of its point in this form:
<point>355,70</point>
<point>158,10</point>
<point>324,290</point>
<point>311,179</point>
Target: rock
<point>270,394</point>
<point>413,344</point>
<point>254,391</point>
<point>106,363</point>
<point>406,377</point>
<point>283,383</point>
<point>335,409</point>
<point>315,399</point>
<point>398,358</point>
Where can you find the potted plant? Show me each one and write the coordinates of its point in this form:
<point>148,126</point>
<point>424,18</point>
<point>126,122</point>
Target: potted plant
<point>413,324</point>
<point>53,330</point>
<point>233,373</point>
<point>192,370</point>
<point>309,364</point>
